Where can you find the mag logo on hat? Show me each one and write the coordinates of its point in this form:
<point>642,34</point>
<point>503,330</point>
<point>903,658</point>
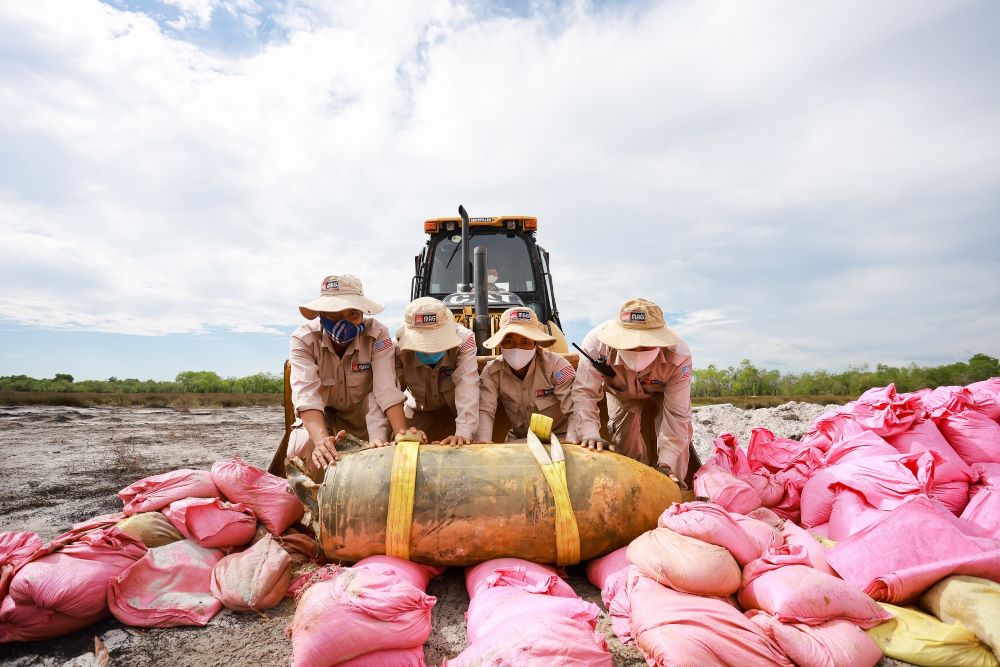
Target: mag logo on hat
<point>633,316</point>
<point>330,285</point>
<point>425,319</point>
<point>520,315</point>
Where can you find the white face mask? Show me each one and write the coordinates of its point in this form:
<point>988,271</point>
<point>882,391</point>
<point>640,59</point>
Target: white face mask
<point>491,278</point>
<point>638,361</point>
<point>517,358</point>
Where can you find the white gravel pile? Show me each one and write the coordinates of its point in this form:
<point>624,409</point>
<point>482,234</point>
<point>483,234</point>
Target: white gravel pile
<point>790,420</point>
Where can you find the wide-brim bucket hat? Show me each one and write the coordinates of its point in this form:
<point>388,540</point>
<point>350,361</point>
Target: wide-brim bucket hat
<point>427,327</point>
<point>639,323</point>
<point>521,321</point>
<point>337,293</point>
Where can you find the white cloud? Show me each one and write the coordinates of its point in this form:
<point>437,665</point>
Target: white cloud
<point>807,185</point>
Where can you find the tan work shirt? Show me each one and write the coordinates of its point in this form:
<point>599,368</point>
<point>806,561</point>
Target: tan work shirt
<point>322,379</point>
<point>452,383</point>
<point>547,388</point>
<point>667,379</point>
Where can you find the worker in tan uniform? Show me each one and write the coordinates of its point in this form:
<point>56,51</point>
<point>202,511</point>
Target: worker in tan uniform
<point>341,363</point>
<point>436,366</point>
<point>652,370</point>
<point>527,378</point>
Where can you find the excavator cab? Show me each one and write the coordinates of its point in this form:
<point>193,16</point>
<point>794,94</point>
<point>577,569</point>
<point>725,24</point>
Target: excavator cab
<point>517,270</point>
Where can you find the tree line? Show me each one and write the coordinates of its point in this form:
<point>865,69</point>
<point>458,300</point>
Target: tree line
<point>199,382</point>
<point>748,380</point>
<point>743,380</point>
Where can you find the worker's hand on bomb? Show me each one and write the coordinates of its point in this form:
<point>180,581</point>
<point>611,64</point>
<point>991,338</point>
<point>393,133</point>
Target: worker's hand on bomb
<point>325,453</point>
<point>456,440</point>
<point>597,445</point>
<point>412,433</point>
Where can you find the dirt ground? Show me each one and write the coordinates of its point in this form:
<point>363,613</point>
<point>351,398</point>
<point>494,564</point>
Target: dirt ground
<point>61,465</point>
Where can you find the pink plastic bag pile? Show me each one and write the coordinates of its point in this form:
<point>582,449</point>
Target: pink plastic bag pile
<point>375,613</point>
<point>76,579</point>
<point>864,459</point>
<point>522,613</point>
<point>61,587</point>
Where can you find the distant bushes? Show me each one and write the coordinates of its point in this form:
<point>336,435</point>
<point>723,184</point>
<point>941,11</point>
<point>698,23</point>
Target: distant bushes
<point>712,382</point>
<point>748,380</point>
<point>198,382</point>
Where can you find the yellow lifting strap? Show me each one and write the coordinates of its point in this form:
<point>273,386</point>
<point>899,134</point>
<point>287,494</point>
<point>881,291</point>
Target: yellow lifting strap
<point>402,484</point>
<point>554,470</point>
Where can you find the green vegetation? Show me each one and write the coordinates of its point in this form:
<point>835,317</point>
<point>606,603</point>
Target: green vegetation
<point>745,385</point>
<point>197,382</point>
<point>748,380</point>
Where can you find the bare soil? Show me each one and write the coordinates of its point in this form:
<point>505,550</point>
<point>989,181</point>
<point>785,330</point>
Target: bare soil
<point>62,465</point>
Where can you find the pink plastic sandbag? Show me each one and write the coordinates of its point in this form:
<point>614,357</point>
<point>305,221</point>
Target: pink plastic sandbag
<point>857,446</point>
<point>783,583</point>
<point>835,643</point>
<point>850,514</point>
<point>511,604</point>
<point>266,494</point>
<point>152,493</point>
<point>169,586</point>
<point>355,612</point>
<point>928,543</point>
<point>608,573</point>
<point>487,574</point>
<point>924,436</point>
<point>497,607</point>
<point>983,511</point>
<point>986,397</point>
<point>537,641</point>
<point>729,456</point>
<point>712,524</point>
<point>684,563</point>
<point>211,522</point>
<point>973,435</point>
<point>797,536</point>
<point>884,481</point>
<point>255,579</point>
<point>394,657</point>
<point>674,628</point>
<point>725,489</point>
<point>64,587</point>
<point>884,412</point>
<point>767,452</point>
<point>832,426</point>
<point>762,535</point>
<point>15,548</point>
<point>945,401</point>
<point>412,573</point>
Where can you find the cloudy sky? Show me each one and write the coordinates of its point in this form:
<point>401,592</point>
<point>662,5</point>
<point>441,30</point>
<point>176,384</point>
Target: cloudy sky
<point>807,185</point>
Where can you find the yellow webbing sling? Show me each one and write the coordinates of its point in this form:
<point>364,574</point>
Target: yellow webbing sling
<point>402,484</point>
<point>554,470</point>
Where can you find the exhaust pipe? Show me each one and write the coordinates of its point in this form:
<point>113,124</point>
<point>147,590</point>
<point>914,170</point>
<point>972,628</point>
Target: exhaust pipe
<point>482,328</point>
<point>466,285</point>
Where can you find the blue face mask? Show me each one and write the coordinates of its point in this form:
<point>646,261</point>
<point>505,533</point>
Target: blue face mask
<point>341,331</point>
<point>429,358</point>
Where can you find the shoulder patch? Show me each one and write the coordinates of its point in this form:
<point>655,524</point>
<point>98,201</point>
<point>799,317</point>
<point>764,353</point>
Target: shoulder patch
<point>686,371</point>
<point>469,344</point>
<point>383,344</point>
<point>563,375</point>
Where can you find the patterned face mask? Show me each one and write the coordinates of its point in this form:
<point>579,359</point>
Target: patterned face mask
<point>342,331</point>
<point>429,358</point>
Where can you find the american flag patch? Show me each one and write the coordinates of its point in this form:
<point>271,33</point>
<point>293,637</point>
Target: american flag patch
<point>564,375</point>
<point>469,344</point>
<point>383,344</point>
<point>686,372</point>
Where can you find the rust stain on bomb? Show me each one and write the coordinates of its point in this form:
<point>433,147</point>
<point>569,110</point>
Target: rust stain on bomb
<point>478,502</point>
